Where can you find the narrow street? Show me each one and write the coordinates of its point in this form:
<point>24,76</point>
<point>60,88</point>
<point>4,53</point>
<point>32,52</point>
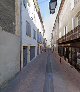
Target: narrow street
<point>46,74</point>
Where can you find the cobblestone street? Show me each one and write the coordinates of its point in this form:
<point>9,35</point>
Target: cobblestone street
<point>46,74</point>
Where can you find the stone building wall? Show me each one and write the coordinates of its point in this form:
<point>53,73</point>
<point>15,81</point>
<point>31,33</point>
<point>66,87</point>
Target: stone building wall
<point>7,15</point>
<point>9,39</point>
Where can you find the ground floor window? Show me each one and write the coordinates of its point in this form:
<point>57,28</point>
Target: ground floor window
<point>25,55</point>
<point>32,52</point>
<point>70,55</point>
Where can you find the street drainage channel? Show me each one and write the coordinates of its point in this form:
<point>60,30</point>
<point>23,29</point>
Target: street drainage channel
<point>48,85</point>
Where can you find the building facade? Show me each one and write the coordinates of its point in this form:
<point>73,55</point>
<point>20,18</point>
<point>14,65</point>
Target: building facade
<point>55,35</point>
<point>31,24</point>
<point>20,21</point>
<point>9,39</point>
<point>39,43</point>
<point>69,31</point>
<point>40,27</point>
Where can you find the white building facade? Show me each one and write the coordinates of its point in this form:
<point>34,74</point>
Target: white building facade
<point>55,34</point>
<point>30,24</point>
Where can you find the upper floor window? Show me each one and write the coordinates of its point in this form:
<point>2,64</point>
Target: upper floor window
<point>79,20</point>
<point>28,29</point>
<point>25,3</point>
<point>28,3</point>
<point>34,34</point>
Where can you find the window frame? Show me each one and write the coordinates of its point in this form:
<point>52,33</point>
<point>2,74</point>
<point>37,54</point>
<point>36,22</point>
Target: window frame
<point>28,32</point>
<point>34,34</point>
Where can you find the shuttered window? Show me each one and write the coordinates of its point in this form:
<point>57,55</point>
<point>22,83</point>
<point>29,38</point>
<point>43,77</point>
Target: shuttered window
<point>25,3</point>
<point>34,34</point>
<point>28,29</point>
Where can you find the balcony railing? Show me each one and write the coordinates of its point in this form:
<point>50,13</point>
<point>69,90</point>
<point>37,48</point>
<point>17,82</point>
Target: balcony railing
<point>72,35</point>
<point>76,2</point>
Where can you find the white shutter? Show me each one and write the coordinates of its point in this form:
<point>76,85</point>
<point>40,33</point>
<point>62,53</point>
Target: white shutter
<point>28,29</point>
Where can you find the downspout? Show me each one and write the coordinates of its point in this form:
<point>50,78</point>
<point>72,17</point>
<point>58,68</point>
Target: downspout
<point>20,33</point>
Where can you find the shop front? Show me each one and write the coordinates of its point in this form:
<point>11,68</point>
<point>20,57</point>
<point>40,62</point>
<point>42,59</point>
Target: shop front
<point>70,52</point>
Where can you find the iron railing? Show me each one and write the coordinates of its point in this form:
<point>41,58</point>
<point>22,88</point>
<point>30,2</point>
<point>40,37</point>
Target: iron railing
<point>72,35</point>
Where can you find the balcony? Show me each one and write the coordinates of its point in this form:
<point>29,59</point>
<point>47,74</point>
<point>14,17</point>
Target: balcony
<point>70,36</point>
<point>76,2</point>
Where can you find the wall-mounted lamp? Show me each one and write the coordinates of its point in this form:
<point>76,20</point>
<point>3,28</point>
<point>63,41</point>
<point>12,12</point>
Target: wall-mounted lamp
<point>52,6</point>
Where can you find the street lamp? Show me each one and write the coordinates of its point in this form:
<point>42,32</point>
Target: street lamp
<point>52,11</point>
<point>52,6</point>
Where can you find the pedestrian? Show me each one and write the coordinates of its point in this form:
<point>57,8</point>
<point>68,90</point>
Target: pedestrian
<point>60,59</point>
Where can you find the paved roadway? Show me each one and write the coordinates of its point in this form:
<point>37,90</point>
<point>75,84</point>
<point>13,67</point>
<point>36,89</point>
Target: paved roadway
<point>46,74</point>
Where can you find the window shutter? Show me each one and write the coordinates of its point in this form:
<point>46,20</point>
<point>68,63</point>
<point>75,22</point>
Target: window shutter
<point>25,3</point>
<point>28,29</point>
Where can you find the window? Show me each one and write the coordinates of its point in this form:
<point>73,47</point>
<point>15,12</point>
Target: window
<point>28,29</point>
<point>79,20</point>
<point>76,2</point>
<point>65,30</point>
<point>25,3</point>
<point>34,34</point>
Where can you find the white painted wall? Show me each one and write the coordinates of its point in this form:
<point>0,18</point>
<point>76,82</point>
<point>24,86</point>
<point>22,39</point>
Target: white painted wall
<point>28,13</point>
<point>36,20</point>
<point>26,40</point>
<point>9,55</point>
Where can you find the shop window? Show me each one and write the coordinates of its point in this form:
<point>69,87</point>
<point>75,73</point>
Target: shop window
<point>74,57</point>
<point>78,56</point>
<point>28,29</point>
<point>70,54</point>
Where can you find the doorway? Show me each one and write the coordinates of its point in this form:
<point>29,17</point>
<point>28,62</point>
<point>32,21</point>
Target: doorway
<point>25,55</point>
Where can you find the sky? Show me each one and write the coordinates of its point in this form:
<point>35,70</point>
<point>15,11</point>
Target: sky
<point>48,19</point>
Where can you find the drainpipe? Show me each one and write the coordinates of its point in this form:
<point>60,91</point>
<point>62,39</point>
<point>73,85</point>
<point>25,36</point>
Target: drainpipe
<point>20,33</point>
